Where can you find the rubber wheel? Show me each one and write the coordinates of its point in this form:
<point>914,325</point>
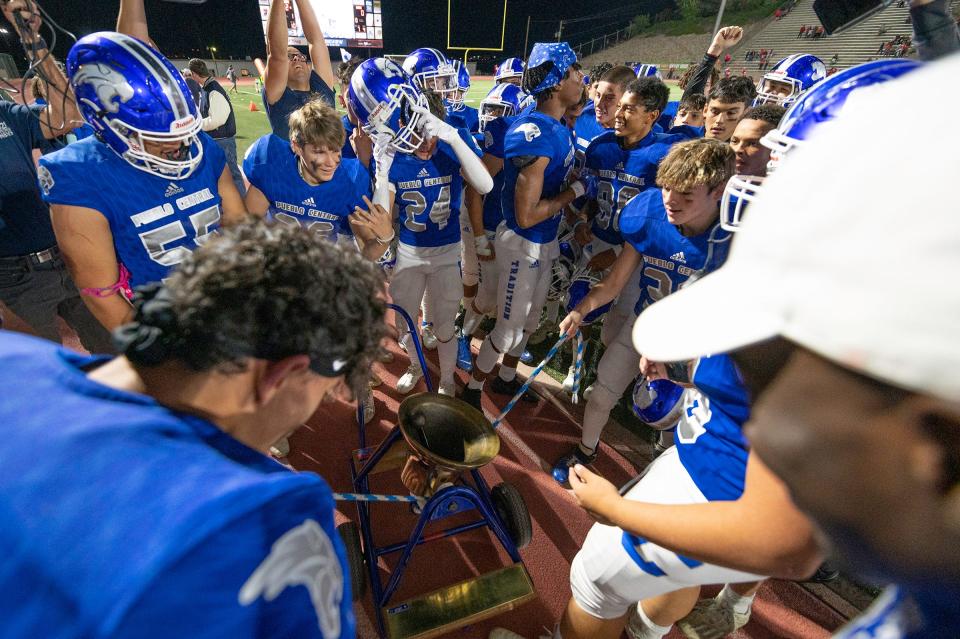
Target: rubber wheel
<point>513,513</point>
<point>350,535</point>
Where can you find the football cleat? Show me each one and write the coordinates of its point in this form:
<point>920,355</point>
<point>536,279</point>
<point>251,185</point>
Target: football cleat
<point>710,619</point>
<point>132,96</point>
<point>409,379</point>
<point>427,337</point>
<point>503,387</point>
<point>528,358</point>
<point>561,469</point>
<point>471,396</point>
<point>567,383</point>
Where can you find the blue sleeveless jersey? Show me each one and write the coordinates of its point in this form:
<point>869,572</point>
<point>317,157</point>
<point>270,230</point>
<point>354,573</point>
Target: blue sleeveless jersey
<point>348,128</point>
<point>536,135</point>
<point>428,195</point>
<point>130,519</point>
<point>668,258</point>
<point>271,166</point>
<point>466,117</point>
<point>709,436</point>
<point>155,222</point>
<point>622,174</point>
<point>493,137</point>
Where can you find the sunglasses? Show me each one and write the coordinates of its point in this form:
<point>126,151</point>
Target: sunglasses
<point>296,57</point>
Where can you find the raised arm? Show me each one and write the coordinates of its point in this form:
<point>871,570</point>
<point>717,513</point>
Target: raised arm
<point>278,66</point>
<point>132,20</point>
<point>319,53</point>
<point>725,38</point>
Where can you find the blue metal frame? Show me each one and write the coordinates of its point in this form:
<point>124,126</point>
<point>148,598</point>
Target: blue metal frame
<point>448,501</point>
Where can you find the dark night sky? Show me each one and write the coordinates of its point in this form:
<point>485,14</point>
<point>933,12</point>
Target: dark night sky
<point>233,26</point>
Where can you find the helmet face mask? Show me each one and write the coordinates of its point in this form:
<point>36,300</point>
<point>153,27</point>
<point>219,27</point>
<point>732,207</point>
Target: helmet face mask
<point>463,85</point>
<point>502,101</point>
<point>796,73</point>
<point>509,68</point>
<point>740,191</point>
<point>136,101</point>
<point>431,71</point>
<point>383,98</point>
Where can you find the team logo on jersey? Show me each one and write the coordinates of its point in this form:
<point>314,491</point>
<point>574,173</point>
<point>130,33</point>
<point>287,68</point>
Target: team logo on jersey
<point>530,131</point>
<point>679,257</point>
<point>43,176</point>
<point>303,556</point>
<point>423,173</point>
<point>107,83</point>
<point>5,131</point>
<point>619,166</point>
<point>172,190</point>
<point>309,202</point>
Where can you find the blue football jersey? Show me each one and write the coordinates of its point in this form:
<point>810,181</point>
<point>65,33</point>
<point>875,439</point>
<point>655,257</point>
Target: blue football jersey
<point>536,135</point>
<point>348,127</point>
<point>622,174</point>
<point>668,257</point>
<point>271,166</point>
<point>131,519</point>
<point>155,222</point>
<point>665,121</point>
<point>585,130</point>
<point>428,194</point>
<point>709,436</point>
<point>493,137</point>
<point>466,117</point>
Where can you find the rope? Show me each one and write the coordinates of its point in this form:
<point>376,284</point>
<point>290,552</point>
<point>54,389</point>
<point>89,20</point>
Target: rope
<point>578,367</point>
<point>409,499</point>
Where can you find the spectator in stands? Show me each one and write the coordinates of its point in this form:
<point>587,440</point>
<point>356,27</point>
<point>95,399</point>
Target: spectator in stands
<point>835,59</point>
<point>291,79</point>
<point>778,13</point>
<point>218,118</point>
<point>34,282</point>
<point>726,59</point>
<point>726,105</point>
<point>803,29</point>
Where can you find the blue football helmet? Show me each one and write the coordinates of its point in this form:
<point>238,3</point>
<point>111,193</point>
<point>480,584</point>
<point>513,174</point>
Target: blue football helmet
<point>382,96</point>
<point>563,267</point>
<point>463,85</point>
<point>509,68</point>
<point>503,100</point>
<point>794,75</point>
<point>558,55</point>
<point>821,103</point>
<point>658,404</point>
<point>132,96</point>
<point>647,71</point>
<point>431,71</point>
<point>580,284</point>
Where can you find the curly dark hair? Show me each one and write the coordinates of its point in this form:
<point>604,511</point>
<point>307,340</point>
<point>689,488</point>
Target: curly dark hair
<point>688,75</point>
<point>346,69</point>
<point>597,71</point>
<point>268,291</point>
<point>769,113</point>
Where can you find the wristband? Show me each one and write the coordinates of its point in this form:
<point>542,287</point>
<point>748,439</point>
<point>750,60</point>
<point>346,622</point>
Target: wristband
<point>577,225</point>
<point>578,188</point>
<point>387,240</point>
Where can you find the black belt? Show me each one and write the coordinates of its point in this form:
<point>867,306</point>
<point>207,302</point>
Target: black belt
<point>35,259</point>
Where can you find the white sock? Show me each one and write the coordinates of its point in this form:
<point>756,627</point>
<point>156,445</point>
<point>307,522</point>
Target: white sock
<point>473,384</point>
<point>447,357</point>
<point>594,419</point>
<point>471,319</point>
<point>487,357</point>
<point>741,604</point>
<point>650,630</point>
<point>507,374</point>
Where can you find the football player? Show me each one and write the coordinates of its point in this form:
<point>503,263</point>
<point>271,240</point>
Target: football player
<point>344,73</point>
<point>432,71</point>
<point>726,104</point>
<point>690,112</point>
<point>510,70</point>
<point>876,394</point>
<point>789,78</point>
<point>669,236</point>
<point>291,79</point>
<point>156,461</point>
<point>159,182</point>
<point>305,181</point>
<point>423,182</point>
<point>456,107</point>
<point>538,159</point>
<point>624,162</point>
<point>593,122</point>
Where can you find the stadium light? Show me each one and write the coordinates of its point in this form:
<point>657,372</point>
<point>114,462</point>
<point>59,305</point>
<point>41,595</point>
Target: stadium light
<point>213,55</point>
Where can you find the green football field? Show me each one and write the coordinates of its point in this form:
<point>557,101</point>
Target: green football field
<point>253,124</point>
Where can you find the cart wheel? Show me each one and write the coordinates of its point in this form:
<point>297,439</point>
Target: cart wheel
<point>513,513</point>
<point>350,536</point>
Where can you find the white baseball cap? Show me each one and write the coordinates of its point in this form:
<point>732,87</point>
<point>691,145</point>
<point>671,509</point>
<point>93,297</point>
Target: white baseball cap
<point>852,250</point>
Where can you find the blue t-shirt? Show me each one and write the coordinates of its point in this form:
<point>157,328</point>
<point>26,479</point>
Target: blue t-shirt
<point>290,100</point>
<point>24,217</point>
<point>271,166</point>
<point>130,519</point>
<point>348,127</point>
<point>156,222</point>
<point>536,135</point>
<point>466,117</point>
<point>668,258</point>
<point>493,137</point>
<point>709,436</point>
<point>585,130</point>
<point>622,174</point>
<point>428,194</point>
